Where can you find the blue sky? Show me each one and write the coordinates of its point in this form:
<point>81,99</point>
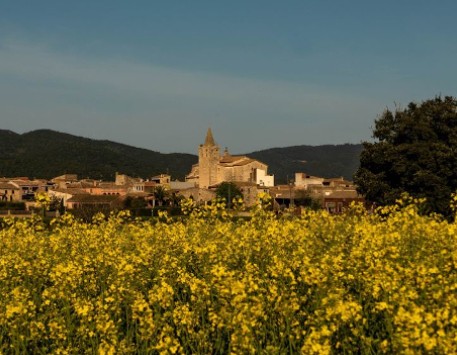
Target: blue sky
<point>261,74</point>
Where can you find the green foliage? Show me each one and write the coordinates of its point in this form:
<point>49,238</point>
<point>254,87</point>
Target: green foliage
<point>136,206</point>
<point>86,213</point>
<point>414,152</point>
<point>169,210</point>
<point>303,198</point>
<point>134,202</point>
<point>13,206</point>
<point>57,204</point>
<point>161,194</point>
<point>228,191</point>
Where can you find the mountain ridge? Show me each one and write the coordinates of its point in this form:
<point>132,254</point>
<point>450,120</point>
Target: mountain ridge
<point>45,153</point>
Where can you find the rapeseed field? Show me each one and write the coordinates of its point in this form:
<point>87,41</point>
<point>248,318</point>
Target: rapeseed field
<point>383,282</point>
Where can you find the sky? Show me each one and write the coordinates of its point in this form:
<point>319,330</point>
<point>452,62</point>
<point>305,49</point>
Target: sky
<point>261,74</point>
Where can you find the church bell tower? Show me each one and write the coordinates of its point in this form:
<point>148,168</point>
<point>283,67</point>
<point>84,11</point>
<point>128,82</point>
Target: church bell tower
<point>208,159</point>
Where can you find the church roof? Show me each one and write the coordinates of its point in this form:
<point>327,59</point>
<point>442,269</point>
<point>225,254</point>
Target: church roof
<point>235,160</point>
<point>245,162</point>
<point>230,158</point>
<point>209,141</point>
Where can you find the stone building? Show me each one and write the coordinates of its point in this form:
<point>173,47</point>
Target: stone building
<point>100,201</point>
<point>9,192</point>
<point>214,168</point>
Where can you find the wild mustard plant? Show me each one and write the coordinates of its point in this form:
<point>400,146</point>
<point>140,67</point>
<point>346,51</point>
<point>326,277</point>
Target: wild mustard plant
<point>382,282</point>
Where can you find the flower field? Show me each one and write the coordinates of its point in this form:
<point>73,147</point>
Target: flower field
<point>209,284</point>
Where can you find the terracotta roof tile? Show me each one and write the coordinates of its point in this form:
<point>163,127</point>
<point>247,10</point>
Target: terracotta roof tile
<point>27,183</point>
<point>71,191</point>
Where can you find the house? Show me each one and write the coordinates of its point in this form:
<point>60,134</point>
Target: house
<point>303,180</point>
<point>162,179</point>
<point>334,194</point>
<point>283,195</point>
<point>177,186</point>
<point>143,186</point>
<point>63,180</point>
<point>9,192</point>
<point>28,188</point>
<point>198,195</point>
<point>108,188</point>
<point>99,201</point>
<point>339,200</point>
<point>65,194</point>
<point>125,180</point>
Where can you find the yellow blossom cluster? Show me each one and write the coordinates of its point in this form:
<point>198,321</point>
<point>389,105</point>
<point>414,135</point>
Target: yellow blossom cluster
<point>207,283</point>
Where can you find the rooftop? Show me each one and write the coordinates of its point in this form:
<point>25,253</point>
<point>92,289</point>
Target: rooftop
<point>94,198</point>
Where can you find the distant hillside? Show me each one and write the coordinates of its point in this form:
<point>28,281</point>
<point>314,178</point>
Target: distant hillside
<point>46,154</point>
<point>324,160</point>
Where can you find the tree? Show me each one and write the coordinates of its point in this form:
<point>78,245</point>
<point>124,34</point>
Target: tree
<point>415,151</point>
<point>160,194</point>
<point>175,199</point>
<point>228,191</point>
<point>86,212</point>
<point>134,203</point>
<point>43,201</point>
<point>304,198</point>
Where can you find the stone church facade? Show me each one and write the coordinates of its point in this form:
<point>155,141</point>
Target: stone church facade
<point>214,168</point>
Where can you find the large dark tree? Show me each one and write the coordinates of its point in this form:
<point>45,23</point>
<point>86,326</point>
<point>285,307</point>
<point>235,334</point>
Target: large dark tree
<point>415,151</point>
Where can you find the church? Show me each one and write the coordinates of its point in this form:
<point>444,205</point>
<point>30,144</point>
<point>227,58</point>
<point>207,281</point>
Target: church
<point>214,168</point>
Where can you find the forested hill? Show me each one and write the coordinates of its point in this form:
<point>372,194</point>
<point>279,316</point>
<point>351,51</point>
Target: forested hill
<point>46,154</point>
<point>323,160</point>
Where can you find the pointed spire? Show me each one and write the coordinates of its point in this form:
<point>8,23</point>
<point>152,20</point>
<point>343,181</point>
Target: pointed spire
<point>209,141</point>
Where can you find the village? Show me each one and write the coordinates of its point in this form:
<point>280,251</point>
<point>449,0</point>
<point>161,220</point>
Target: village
<point>68,192</point>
